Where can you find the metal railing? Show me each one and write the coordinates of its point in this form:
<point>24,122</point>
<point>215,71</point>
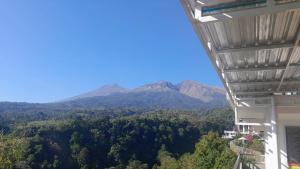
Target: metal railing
<point>247,158</point>
<point>237,164</point>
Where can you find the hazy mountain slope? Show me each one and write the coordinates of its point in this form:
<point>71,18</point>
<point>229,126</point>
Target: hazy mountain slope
<point>199,91</point>
<point>186,95</point>
<point>142,100</point>
<point>102,91</point>
<point>161,86</point>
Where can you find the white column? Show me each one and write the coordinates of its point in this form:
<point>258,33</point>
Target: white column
<point>271,138</point>
<point>282,147</point>
<point>235,115</point>
<point>248,129</point>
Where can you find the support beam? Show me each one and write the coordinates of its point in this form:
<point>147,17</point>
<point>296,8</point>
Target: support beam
<point>255,48</point>
<point>274,82</point>
<point>233,13</point>
<point>255,83</point>
<point>253,69</point>
<point>297,42</point>
<point>250,124</point>
<point>271,138</point>
<point>259,68</point>
<point>263,92</point>
<point>236,121</point>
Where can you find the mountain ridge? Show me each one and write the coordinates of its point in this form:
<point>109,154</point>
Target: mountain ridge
<point>104,90</point>
<point>187,87</point>
<point>186,95</point>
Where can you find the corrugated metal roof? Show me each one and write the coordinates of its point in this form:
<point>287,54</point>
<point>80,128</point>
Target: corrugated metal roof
<point>254,51</point>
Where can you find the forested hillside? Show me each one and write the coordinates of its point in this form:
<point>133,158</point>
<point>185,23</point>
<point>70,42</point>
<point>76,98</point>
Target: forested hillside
<point>156,139</point>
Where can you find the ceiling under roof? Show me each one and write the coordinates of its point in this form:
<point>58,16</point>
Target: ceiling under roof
<point>256,53</point>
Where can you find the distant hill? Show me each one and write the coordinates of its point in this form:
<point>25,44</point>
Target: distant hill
<point>102,91</point>
<point>187,95</point>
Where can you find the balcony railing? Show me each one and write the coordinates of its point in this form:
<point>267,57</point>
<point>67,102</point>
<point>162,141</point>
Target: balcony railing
<point>247,158</point>
<point>237,164</point>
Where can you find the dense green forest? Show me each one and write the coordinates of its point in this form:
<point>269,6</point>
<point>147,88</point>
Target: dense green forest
<point>160,139</point>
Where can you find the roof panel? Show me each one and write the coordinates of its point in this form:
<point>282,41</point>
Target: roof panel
<point>256,45</point>
<point>255,31</point>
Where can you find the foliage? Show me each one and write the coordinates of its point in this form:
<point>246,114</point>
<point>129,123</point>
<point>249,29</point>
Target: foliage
<point>256,144</point>
<point>135,164</point>
<point>11,151</point>
<point>223,116</point>
<point>167,161</point>
<point>211,152</point>
<point>106,143</point>
<point>154,139</point>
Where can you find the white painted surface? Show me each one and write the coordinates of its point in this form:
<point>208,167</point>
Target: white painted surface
<point>287,116</point>
<point>282,147</point>
<point>286,112</point>
<point>271,134</point>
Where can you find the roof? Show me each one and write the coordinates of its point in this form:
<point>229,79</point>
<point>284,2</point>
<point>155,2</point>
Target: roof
<point>255,49</point>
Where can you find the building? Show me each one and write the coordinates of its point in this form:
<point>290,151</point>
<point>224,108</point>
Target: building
<point>254,47</point>
<point>229,134</point>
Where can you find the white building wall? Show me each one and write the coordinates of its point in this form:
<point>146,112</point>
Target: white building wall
<point>287,111</point>
<point>287,116</point>
<point>274,119</point>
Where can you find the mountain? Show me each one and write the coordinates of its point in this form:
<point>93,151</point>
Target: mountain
<point>188,95</point>
<point>102,91</point>
<point>163,94</point>
<point>161,86</point>
<point>202,92</point>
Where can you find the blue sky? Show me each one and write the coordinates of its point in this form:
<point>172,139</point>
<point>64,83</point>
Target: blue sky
<point>53,49</point>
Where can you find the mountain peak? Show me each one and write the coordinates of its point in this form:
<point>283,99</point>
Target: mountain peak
<point>104,90</point>
<point>187,88</point>
<point>157,87</point>
<point>200,91</point>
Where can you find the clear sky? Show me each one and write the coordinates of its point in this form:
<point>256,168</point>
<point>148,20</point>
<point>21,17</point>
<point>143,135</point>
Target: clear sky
<point>53,49</point>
